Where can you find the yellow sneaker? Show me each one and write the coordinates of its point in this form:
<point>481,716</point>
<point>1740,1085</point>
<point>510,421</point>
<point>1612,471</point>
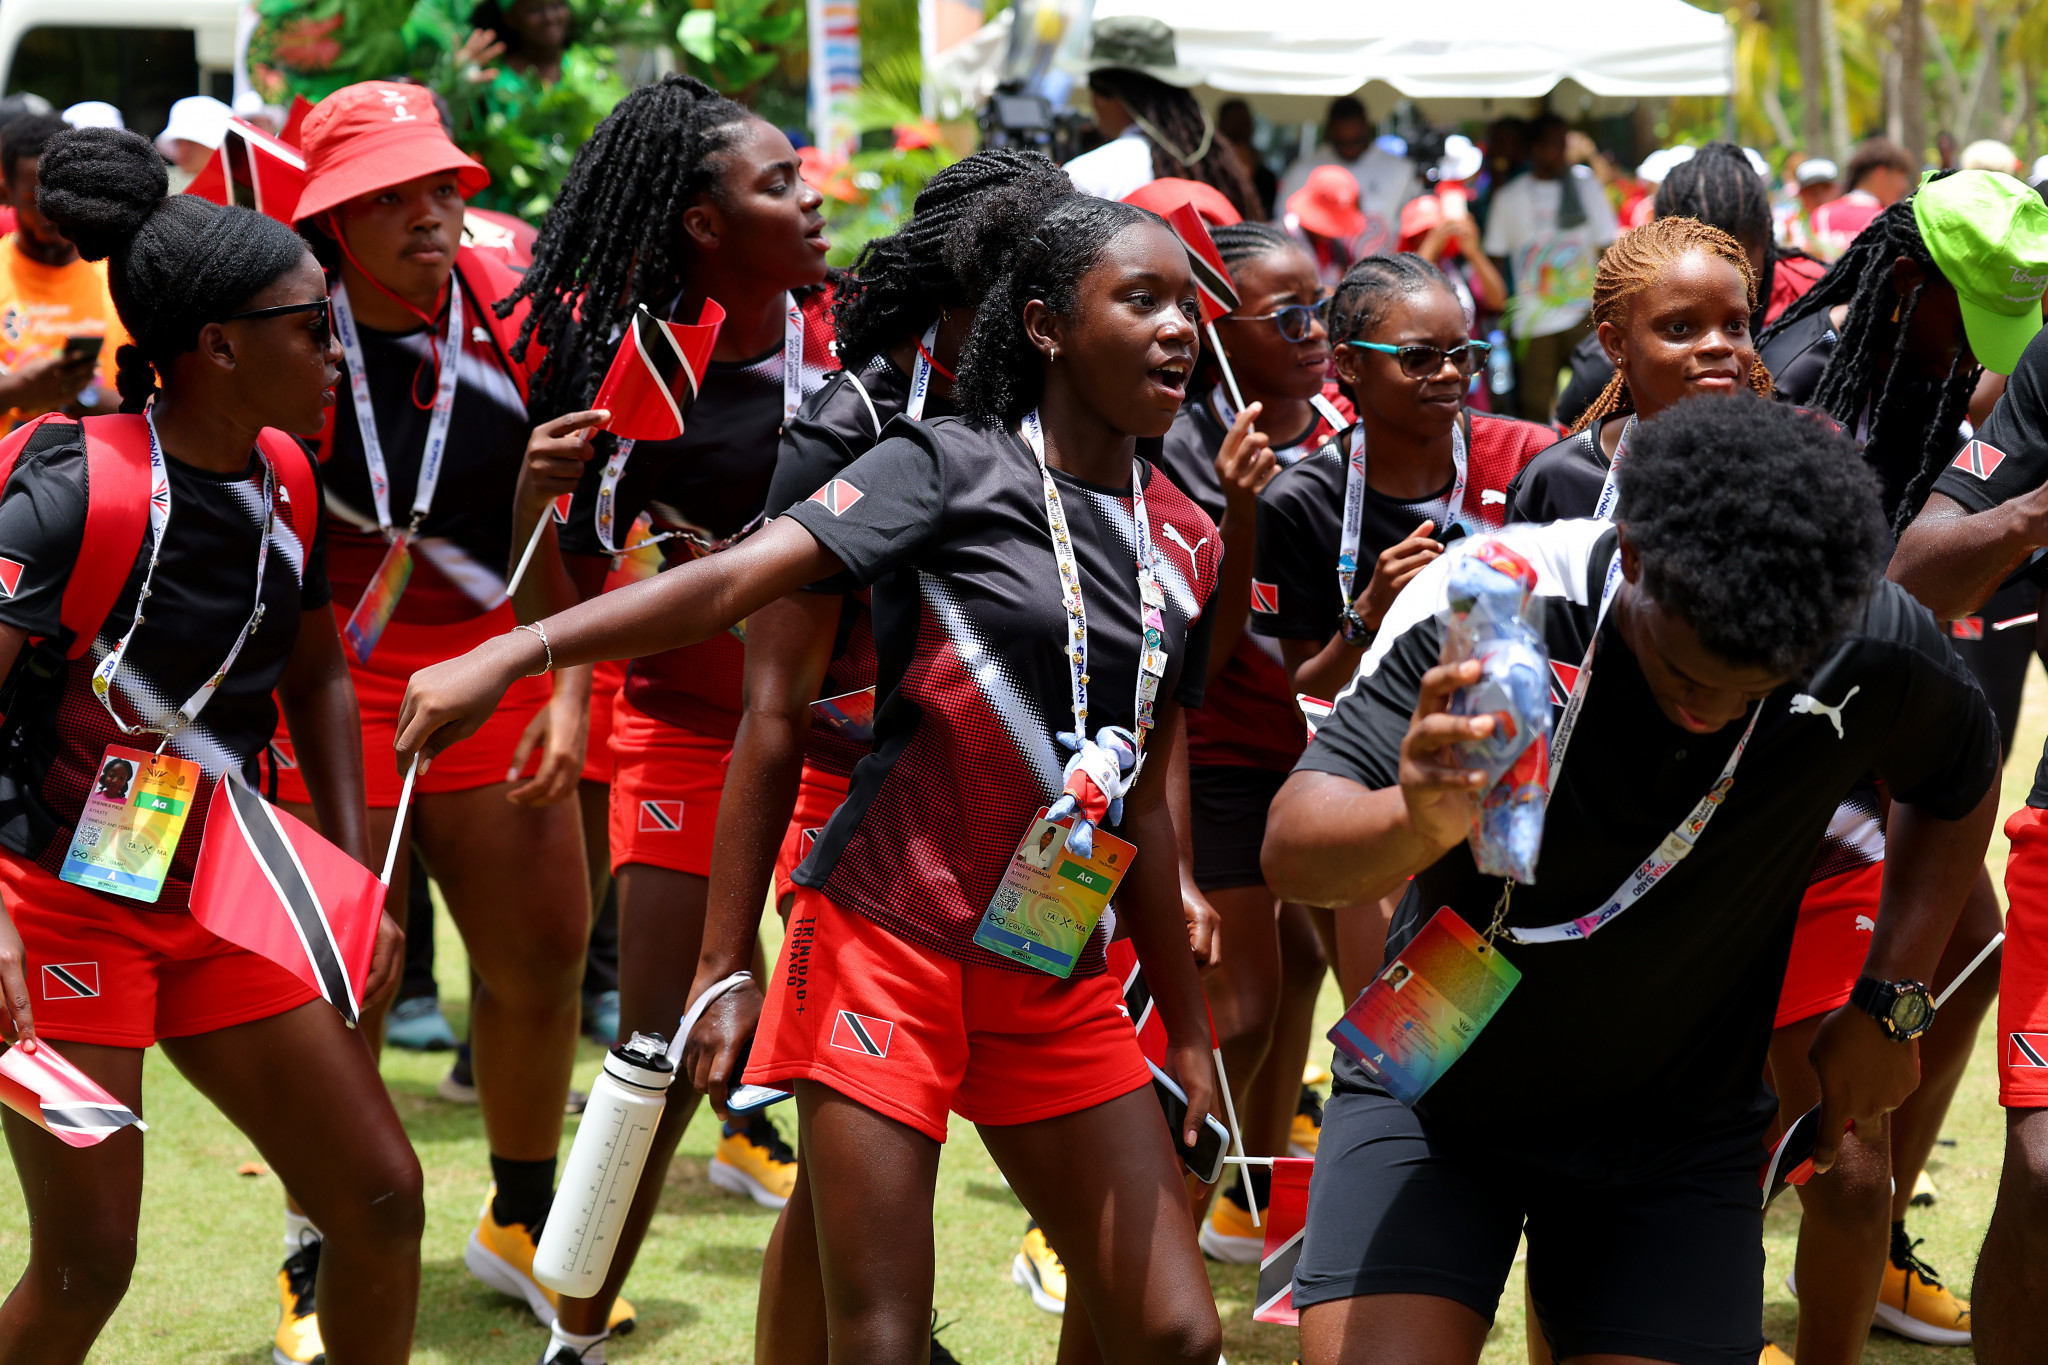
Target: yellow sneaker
<point>1037,1269</point>
<point>1912,1302</point>
<point>753,1160</point>
<point>298,1327</point>
<point>1228,1233</point>
<point>1774,1355</point>
<point>1924,1193</point>
<point>1307,1129</point>
<point>501,1257</point>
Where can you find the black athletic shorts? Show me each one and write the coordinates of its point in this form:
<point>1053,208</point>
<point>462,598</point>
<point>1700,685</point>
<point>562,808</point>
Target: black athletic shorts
<point>1671,1270</point>
<point>1228,804</point>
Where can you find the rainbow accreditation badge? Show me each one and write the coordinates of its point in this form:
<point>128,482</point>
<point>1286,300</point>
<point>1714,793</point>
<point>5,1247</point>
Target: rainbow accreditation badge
<point>1425,1008</point>
<point>129,828</point>
<point>1050,900</point>
<point>365,626</point>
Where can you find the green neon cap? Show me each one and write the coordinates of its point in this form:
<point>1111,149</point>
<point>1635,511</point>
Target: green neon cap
<point>1988,235</point>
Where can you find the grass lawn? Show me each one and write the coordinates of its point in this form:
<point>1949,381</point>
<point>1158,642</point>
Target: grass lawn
<point>210,1239</point>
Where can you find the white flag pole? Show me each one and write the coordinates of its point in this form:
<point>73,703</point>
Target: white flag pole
<point>1236,1134</point>
<point>1223,361</point>
<point>398,825</point>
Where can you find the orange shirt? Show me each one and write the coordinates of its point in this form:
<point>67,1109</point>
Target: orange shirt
<point>41,305</point>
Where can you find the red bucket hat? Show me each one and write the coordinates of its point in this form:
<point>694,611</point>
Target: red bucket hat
<point>1328,204</point>
<point>1166,194</point>
<point>371,136</point>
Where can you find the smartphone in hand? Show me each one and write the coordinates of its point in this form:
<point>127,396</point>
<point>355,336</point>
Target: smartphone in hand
<point>1212,1140</point>
<point>82,350</point>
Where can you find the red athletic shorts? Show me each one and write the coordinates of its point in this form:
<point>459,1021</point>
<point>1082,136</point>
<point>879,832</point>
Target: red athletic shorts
<point>479,761</point>
<point>2023,973</point>
<point>1828,947</point>
<point>111,971</point>
<point>911,1034</point>
<point>605,686</point>
<point>665,786</point>
<point>819,794</point>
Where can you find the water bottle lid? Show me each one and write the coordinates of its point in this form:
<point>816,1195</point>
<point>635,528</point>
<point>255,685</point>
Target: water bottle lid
<point>641,1060</point>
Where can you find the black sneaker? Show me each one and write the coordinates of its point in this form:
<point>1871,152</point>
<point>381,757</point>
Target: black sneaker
<point>940,1355</point>
<point>298,1328</point>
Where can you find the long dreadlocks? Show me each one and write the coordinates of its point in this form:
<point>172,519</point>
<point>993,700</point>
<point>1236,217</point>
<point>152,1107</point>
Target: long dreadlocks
<point>1636,263</point>
<point>905,280</point>
<point>1182,138</point>
<point>1865,371</point>
<point>1718,186</point>
<point>611,239</point>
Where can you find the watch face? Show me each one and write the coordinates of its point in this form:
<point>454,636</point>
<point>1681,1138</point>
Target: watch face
<point>1912,1012</point>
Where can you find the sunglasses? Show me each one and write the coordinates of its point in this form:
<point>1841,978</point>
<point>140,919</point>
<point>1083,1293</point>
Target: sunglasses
<point>325,307</point>
<point>1420,362</point>
<point>1295,321</point>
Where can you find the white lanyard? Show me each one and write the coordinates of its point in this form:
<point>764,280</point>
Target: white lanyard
<point>1676,845</point>
<point>1325,410</point>
<point>1610,488</point>
<point>1354,503</point>
<point>366,414</point>
<point>1152,649</point>
<point>622,450</point>
<point>159,523</point>
<point>921,375</point>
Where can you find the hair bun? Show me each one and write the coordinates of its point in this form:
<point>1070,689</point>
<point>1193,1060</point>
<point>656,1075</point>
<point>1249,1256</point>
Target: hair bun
<point>99,185</point>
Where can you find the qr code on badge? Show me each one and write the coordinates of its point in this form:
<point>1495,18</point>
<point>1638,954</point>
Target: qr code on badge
<point>1008,898</point>
<point>89,837</point>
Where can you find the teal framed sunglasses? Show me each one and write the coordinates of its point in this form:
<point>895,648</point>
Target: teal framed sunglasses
<point>1418,361</point>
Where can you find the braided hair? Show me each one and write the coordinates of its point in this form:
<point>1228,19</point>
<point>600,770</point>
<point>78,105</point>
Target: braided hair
<point>1718,186</point>
<point>611,239</point>
<point>1635,263</point>
<point>1368,289</point>
<point>1182,138</point>
<point>1864,370</point>
<point>176,261</point>
<point>1236,243</point>
<point>905,280</point>
<point>1001,373</point>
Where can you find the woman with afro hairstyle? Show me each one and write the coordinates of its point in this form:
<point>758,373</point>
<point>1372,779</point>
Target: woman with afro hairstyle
<point>681,201</point>
<point>1248,731</point>
<point>1427,471</point>
<point>231,349</point>
<point>891,1004</point>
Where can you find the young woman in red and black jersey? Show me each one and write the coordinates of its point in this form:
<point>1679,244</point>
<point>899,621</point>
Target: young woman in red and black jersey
<point>421,461</point>
<point>720,213</point>
<point>229,315</point>
<point>1431,471</point>
<point>1248,732</point>
<point>1078,360</point>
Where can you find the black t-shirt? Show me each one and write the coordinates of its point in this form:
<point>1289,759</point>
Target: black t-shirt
<point>461,554</point>
<point>1564,481</point>
<point>1617,1055</point>
<point>200,601</point>
<point>1590,372</point>
<point>1799,354</point>
<point>838,424</point>
<point>946,520</point>
<point>713,481</point>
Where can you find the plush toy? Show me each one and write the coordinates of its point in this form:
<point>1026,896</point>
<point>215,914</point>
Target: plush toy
<point>1096,779</point>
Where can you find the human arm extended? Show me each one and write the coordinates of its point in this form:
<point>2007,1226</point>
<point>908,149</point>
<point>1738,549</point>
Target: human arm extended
<point>1952,559</point>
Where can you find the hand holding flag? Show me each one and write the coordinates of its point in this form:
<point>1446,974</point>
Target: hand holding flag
<point>38,1083</point>
<point>655,375</point>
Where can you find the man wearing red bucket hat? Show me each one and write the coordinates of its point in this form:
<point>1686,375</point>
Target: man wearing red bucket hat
<point>419,462</point>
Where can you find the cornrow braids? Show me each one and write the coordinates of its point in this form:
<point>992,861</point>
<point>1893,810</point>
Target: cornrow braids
<point>611,239</point>
<point>1718,186</point>
<point>905,280</point>
<point>1371,285</point>
<point>1001,373</point>
<point>175,261</point>
<point>1181,135</point>
<point>1635,263</point>
<point>1863,373</point>
<point>1245,241</point>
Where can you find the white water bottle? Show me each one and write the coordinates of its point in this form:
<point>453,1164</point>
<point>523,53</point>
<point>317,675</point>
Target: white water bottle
<point>582,1229</point>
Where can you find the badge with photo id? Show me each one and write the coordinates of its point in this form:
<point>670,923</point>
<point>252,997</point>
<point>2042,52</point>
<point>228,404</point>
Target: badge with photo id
<point>1050,900</point>
<point>365,625</point>
<point>1426,1006</point>
<point>133,817</point>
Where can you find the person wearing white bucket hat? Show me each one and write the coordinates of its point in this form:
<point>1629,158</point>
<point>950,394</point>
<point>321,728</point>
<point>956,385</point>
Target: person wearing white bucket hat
<point>191,135</point>
<point>94,114</point>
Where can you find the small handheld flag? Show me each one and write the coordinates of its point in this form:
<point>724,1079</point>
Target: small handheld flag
<point>1286,1219</point>
<point>254,170</point>
<point>655,374</point>
<point>1214,291</point>
<point>269,883</point>
<point>47,1090</point>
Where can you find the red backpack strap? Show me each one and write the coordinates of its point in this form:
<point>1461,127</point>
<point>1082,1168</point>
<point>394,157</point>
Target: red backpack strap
<point>301,500</point>
<point>489,280</point>
<point>116,519</point>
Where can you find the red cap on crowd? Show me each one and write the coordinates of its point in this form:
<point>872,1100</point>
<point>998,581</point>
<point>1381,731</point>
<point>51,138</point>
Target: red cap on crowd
<point>1419,217</point>
<point>374,135</point>
<point>1168,193</point>
<point>1327,204</point>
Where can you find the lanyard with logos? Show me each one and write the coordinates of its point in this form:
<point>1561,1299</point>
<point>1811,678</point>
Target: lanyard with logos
<point>1220,408</point>
<point>1354,503</point>
<point>606,514</point>
<point>1610,487</point>
<point>920,375</point>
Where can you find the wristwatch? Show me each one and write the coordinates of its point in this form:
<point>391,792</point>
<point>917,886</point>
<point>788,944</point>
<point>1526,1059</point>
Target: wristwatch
<point>1352,627</point>
<point>1904,1008</point>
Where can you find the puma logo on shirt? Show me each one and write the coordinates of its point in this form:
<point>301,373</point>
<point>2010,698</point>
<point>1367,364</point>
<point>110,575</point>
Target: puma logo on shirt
<point>1806,705</point>
<point>1173,534</point>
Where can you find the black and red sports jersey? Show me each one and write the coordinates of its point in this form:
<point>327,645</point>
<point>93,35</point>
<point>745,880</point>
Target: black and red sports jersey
<point>459,558</point>
<point>1295,595</point>
<point>946,521</point>
<point>840,423</point>
<point>200,599</point>
<point>713,481</point>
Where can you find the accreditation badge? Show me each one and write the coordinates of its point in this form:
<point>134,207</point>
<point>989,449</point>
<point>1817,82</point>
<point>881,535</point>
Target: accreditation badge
<point>133,817</point>
<point>1426,1006</point>
<point>365,625</point>
<point>1050,900</point>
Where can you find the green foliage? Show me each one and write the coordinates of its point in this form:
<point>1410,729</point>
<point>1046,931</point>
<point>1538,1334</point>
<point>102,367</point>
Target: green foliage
<point>733,45</point>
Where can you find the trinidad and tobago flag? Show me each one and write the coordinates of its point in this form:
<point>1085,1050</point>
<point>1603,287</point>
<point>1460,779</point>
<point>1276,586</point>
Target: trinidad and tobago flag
<point>1314,710</point>
<point>1286,1218</point>
<point>56,1096</point>
<point>1121,960</point>
<point>254,170</point>
<point>654,377</point>
<point>1979,459</point>
<point>269,883</point>
<point>1212,281</point>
